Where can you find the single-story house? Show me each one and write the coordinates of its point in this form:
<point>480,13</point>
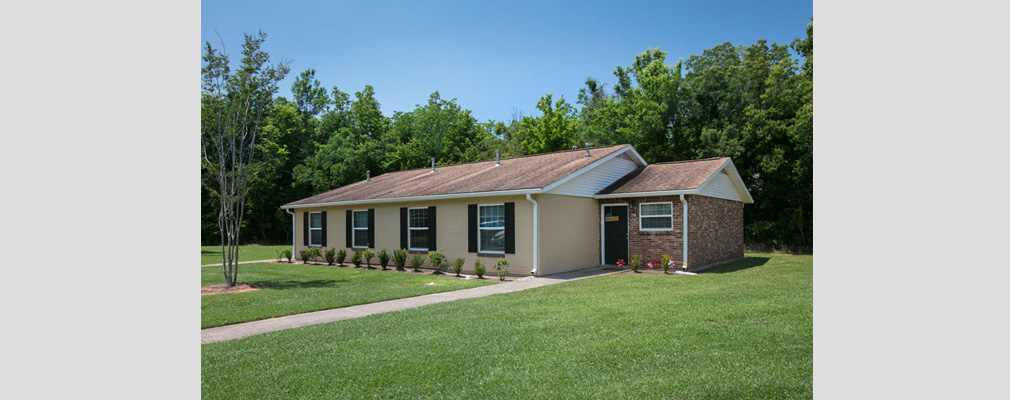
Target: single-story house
<point>545,213</point>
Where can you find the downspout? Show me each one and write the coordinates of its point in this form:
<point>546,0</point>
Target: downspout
<point>684,201</point>
<point>535,233</point>
<point>293,230</point>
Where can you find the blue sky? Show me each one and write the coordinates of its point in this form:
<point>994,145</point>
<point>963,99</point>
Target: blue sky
<point>492,57</point>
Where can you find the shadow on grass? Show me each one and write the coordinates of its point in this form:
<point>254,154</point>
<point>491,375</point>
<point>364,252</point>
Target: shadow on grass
<point>282,285</point>
<point>749,262</point>
<point>210,252</point>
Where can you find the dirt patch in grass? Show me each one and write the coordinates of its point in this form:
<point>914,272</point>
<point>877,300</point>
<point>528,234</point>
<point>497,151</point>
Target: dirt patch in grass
<point>223,288</point>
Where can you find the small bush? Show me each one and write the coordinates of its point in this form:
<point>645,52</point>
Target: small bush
<point>284,253</point>
<point>400,259</point>
<point>330,256</point>
<point>309,254</point>
<point>367,255</point>
<point>416,262</point>
<point>457,265</point>
<point>356,258</point>
<point>479,268</point>
<point>636,262</point>
<point>383,258</point>
<point>502,266</point>
<point>437,261</point>
<point>341,256</point>
<point>666,262</point>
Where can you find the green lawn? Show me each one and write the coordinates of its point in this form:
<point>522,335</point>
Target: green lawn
<point>253,252</point>
<point>744,331</point>
<point>295,288</point>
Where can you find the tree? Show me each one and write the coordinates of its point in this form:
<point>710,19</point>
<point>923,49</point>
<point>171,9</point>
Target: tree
<point>554,130</point>
<point>233,106</point>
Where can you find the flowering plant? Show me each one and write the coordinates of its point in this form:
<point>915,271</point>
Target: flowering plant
<point>654,263</point>
<point>620,263</point>
<point>635,262</point>
<point>666,263</point>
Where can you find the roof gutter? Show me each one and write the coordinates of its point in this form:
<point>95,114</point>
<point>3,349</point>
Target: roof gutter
<point>536,231</point>
<point>640,194</point>
<point>684,213</point>
<point>418,198</point>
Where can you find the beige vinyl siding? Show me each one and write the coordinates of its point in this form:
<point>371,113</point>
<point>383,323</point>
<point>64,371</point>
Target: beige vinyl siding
<point>451,229</point>
<point>569,233</point>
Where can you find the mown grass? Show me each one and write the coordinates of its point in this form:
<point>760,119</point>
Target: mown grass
<point>295,288</point>
<point>252,252</point>
<point>744,331</point>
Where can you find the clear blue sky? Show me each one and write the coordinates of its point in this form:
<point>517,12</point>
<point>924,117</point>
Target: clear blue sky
<point>492,58</point>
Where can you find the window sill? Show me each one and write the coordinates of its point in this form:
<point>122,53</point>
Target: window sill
<point>495,255</point>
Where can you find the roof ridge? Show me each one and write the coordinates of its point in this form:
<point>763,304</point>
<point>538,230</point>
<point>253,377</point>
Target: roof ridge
<point>687,161</point>
<point>503,159</point>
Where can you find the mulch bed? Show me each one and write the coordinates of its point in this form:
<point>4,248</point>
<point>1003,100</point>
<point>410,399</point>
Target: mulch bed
<point>223,288</point>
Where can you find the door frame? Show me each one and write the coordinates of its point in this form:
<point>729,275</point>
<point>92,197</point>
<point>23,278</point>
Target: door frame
<point>603,230</point>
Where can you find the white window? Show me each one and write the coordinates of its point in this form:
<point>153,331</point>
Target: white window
<point>655,216</point>
<point>417,229</point>
<point>315,229</point>
<point>491,228</point>
<point>359,223</point>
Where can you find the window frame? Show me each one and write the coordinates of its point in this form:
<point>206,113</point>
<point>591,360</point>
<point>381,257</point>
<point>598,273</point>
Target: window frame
<point>642,217</point>
<point>480,229</point>
<point>355,228</point>
<point>409,228</point>
<point>320,229</point>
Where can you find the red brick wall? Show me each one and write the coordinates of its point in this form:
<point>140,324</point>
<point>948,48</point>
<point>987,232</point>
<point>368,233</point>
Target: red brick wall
<point>715,229</point>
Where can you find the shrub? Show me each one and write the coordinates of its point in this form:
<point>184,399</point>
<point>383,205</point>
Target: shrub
<point>479,268</point>
<point>399,258</point>
<point>502,266</point>
<point>417,262</point>
<point>367,255</point>
<point>457,265</point>
<point>341,256</point>
<point>356,258</point>
<point>665,262</point>
<point>284,253</point>
<point>309,254</point>
<point>331,256</point>
<point>636,262</point>
<point>437,261</point>
<point>383,258</point>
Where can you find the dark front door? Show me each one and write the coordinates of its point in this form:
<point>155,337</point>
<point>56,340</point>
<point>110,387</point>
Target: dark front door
<point>615,234</point>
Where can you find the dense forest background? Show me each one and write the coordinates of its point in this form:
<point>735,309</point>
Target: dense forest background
<point>752,103</point>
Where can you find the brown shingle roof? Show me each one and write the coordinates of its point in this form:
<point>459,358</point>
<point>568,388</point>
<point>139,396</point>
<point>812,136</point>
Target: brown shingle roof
<point>677,175</point>
<point>527,172</point>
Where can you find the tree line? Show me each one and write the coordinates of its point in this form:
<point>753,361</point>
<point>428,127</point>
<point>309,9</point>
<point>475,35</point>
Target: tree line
<point>753,103</point>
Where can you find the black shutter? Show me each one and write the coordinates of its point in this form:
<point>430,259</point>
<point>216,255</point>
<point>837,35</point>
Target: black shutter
<point>510,228</point>
<point>305,228</point>
<point>371,228</point>
<point>348,229</point>
<point>472,227</point>
<point>324,229</point>
<point>431,229</point>
<point>403,227</point>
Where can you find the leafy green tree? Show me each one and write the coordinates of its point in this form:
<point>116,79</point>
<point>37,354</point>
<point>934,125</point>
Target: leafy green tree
<point>233,106</point>
<point>553,131</point>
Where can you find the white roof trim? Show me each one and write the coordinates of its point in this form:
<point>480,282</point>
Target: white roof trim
<point>419,198</point>
<point>594,164</point>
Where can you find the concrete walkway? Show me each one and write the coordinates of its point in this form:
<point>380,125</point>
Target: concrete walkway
<point>272,260</point>
<point>236,331</point>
